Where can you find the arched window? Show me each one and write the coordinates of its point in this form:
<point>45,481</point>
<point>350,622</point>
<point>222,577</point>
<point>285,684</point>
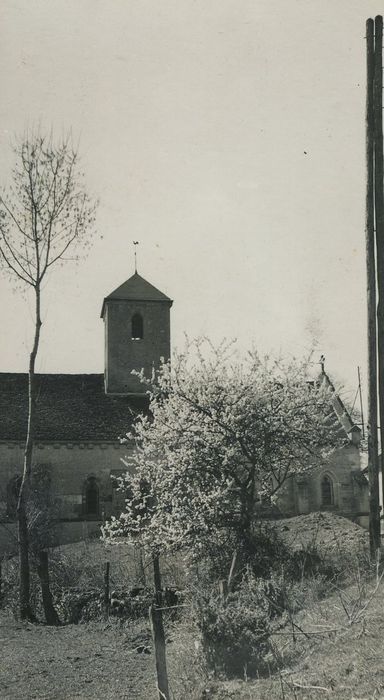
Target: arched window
<point>13,490</point>
<point>137,327</point>
<point>327,491</point>
<point>91,497</point>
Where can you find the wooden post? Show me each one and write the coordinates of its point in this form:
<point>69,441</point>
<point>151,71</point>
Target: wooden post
<point>379,214</point>
<point>223,590</point>
<point>156,619</point>
<point>157,580</point>
<point>232,572</point>
<point>106,590</point>
<point>51,616</point>
<point>373,457</point>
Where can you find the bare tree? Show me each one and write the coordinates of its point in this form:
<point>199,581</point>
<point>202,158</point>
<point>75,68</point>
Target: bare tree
<point>43,213</point>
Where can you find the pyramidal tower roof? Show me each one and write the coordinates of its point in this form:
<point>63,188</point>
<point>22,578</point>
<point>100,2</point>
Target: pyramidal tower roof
<point>136,288</point>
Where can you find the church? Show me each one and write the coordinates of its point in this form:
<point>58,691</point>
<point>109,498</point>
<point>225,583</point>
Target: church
<point>81,419</point>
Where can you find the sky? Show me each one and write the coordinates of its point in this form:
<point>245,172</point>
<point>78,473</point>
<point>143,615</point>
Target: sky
<point>227,137</point>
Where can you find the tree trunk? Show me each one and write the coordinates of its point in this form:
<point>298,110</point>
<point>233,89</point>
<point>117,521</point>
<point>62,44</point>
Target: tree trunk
<point>51,616</point>
<point>22,518</point>
<point>25,609</point>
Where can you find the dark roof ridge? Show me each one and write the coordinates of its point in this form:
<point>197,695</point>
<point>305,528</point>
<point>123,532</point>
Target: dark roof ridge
<point>53,374</point>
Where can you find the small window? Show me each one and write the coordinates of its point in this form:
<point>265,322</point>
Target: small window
<point>91,497</point>
<point>326,491</point>
<point>302,489</point>
<point>13,490</point>
<point>137,327</point>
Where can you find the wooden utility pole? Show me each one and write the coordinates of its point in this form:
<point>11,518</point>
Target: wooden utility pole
<point>373,456</point>
<point>379,215</point>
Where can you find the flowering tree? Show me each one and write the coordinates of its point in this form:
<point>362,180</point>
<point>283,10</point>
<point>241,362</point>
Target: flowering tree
<point>220,435</point>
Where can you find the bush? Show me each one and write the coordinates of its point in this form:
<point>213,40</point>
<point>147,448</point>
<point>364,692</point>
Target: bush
<point>187,667</point>
<point>236,631</point>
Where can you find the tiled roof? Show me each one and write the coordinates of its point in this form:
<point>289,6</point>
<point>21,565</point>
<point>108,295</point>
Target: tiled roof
<point>70,407</point>
<point>74,407</point>
<point>339,408</point>
<point>136,288</point>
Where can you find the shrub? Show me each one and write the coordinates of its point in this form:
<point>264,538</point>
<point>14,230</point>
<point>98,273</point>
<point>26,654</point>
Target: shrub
<point>187,667</point>
<point>78,605</point>
<point>236,630</point>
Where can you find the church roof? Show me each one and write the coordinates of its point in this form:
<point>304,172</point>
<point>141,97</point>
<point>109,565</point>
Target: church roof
<point>136,288</point>
<point>75,407</point>
<point>342,413</point>
<point>70,407</point>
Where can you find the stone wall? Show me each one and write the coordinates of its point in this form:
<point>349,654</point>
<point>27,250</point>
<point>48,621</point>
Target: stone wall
<point>64,533</point>
<point>68,466</point>
<point>349,488</point>
<point>123,353</point>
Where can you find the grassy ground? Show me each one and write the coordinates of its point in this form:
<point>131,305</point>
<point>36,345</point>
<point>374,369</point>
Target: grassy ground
<point>74,662</point>
<point>332,649</point>
<point>334,656</point>
<point>330,655</point>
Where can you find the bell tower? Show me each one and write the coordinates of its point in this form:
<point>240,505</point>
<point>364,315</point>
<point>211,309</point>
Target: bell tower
<point>137,334</point>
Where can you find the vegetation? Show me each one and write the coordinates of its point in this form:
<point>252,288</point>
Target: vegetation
<point>321,633</point>
<point>222,436</point>
<point>44,212</point>
<point>221,439</point>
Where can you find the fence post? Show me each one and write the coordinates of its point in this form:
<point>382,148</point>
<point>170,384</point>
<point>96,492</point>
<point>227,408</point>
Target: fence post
<point>50,613</point>
<point>223,590</point>
<point>156,619</point>
<point>106,590</point>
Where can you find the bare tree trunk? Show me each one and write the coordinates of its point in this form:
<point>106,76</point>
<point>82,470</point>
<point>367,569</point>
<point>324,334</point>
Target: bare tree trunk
<point>22,518</point>
<point>51,616</point>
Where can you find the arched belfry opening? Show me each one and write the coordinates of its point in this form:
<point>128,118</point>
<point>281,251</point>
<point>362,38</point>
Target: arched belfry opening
<point>136,319</point>
<point>137,327</point>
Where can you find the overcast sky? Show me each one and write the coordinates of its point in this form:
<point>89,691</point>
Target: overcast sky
<point>227,136</point>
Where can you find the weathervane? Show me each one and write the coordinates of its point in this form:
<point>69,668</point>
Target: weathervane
<point>135,243</point>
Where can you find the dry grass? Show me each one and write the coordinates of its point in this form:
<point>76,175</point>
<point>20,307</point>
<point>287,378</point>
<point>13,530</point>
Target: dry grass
<point>331,535</point>
<point>333,650</point>
<point>330,653</point>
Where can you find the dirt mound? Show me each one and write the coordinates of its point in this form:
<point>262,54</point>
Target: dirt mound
<point>327,533</point>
